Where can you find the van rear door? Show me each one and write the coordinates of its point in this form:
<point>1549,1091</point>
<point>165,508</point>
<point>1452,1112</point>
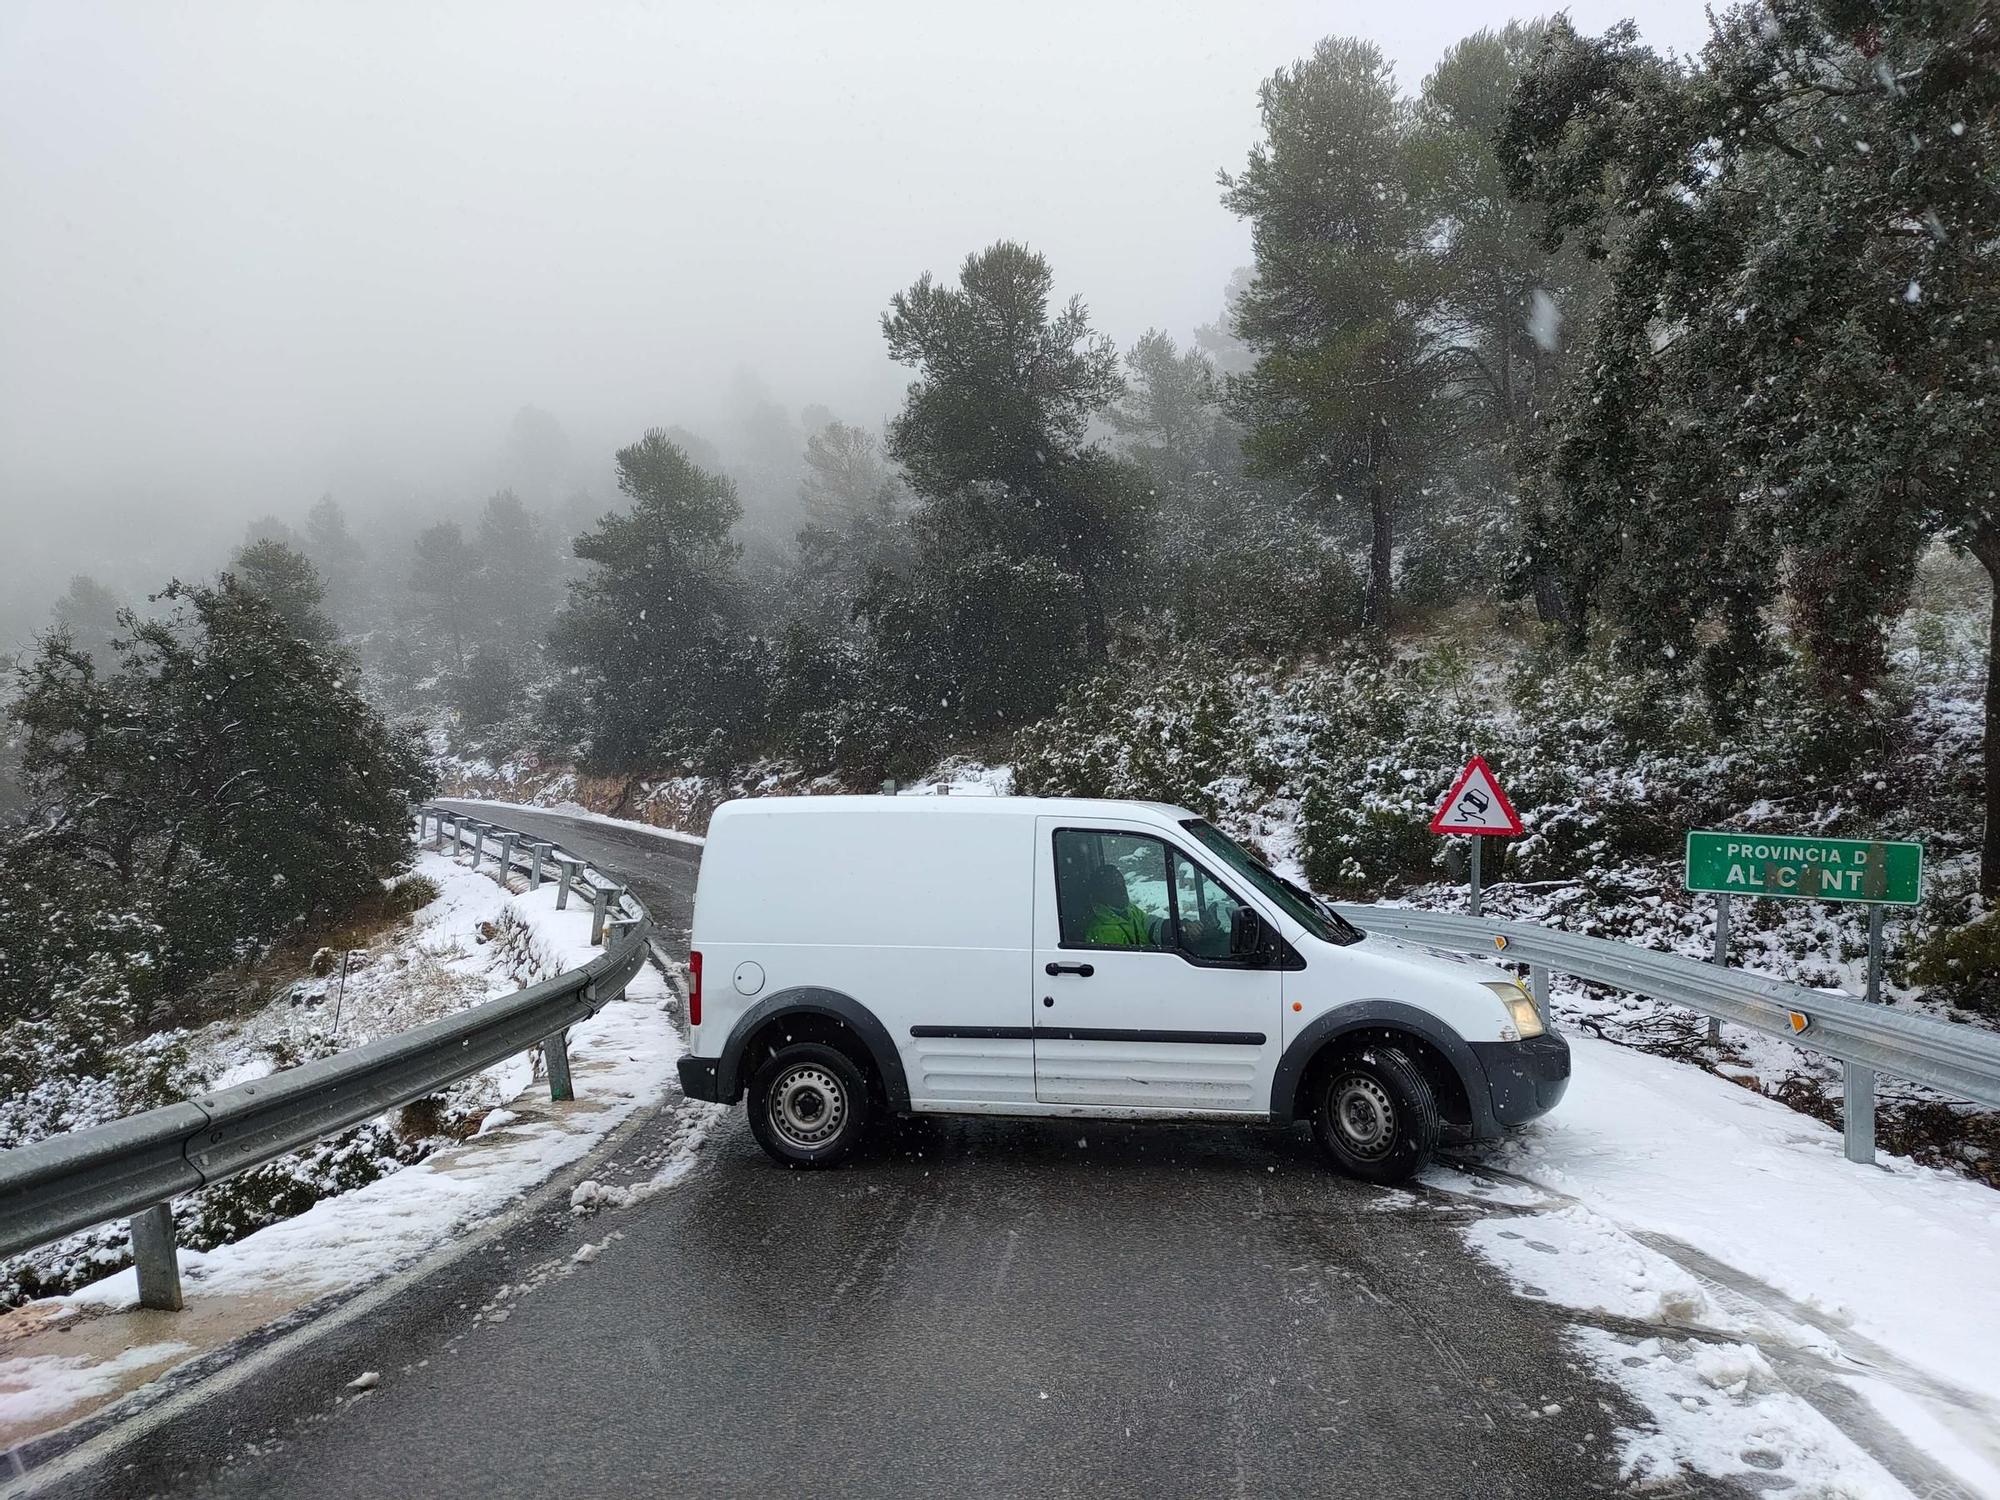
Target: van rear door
<point>1138,1004</point>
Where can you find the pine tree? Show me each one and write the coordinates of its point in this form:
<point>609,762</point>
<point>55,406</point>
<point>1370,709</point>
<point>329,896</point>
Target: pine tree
<point>224,777</point>
<point>659,669</point>
<point>1791,381</point>
<point>517,569</point>
<point>88,612</point>
<point>1340,309</point>
<point>1003,401</point>
<point>337,557</point>
<point>443,583</point>
<point>290,584</point>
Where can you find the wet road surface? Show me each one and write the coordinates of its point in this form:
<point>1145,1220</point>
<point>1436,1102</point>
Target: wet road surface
<point>986,1307</point>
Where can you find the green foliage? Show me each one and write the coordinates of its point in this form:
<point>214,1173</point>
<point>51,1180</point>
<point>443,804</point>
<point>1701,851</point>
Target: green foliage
<point>1961,965</point>
<point>658,669</point>
<point>88,614</point>
<point>1172,730</point>
<point>517,570</point>
<point>490,688</point>
<point>443,585</point>
<point>226,776</point>
<point>1789,383</point>
<point>337,558</point>
<point>283,578</point>
<point>1338,313</point>
<point>1002,404</point>
<point>1606,766</point>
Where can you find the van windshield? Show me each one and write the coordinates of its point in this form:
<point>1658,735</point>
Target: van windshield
<point>1321,920</point>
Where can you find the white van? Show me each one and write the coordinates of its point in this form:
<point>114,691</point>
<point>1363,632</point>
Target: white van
<point>1048,956</point>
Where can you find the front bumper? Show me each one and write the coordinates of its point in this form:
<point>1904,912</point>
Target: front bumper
<point>698,1080</point>
<point>1525,1079</point>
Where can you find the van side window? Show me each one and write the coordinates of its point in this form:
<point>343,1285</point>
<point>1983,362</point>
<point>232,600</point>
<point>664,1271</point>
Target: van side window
<point>1111,890</point>
<point>1205,908</point>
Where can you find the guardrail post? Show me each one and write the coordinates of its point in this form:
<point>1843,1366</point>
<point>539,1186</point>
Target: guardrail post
<point>566,867</point>
<point>536,850</point>
<point>457,837</point>
<point>153,1257</point>
<point>555,1052</point>
<point>600,899</point>
<point>478,844</point>
<point>1857,1108</point>
<point>1538,988</point>
<point>507,842</point>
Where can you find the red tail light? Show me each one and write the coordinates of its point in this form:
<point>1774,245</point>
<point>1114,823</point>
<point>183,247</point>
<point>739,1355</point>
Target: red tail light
<point>694,989</point>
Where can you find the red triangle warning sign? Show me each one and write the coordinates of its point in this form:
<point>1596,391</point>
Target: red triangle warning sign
<point>1475,804</point>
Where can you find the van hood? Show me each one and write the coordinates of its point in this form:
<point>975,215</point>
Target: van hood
<point>1441,962</point>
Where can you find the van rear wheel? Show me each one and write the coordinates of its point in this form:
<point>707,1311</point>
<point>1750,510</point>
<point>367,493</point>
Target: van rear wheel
<point>808,1105</point>
<point>1374,1115</point>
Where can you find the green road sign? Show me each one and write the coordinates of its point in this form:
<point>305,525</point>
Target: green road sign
<point>1778,864</point>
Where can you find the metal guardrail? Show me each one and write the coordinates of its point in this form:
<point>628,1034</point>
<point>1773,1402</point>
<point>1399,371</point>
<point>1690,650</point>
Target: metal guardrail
<point>136,1166</point>
<point>1958,1060</point>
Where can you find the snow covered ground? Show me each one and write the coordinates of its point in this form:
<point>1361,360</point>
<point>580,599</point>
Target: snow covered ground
<point>1841,1321</point>
<point>494,941</point>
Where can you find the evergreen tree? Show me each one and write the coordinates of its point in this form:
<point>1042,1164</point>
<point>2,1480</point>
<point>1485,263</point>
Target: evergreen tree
<point>1340,312</point>
<point>1003,401</point>
<point>658,667</point>
<point>88,613</point>
<point>1790,384</point>
<point>845,476</point>
<point>517,570</point>
<point>443,582</point>
<point>1513,310</point>
<point>337,558</point>
<point>225,777</point>
<point>285,580</point>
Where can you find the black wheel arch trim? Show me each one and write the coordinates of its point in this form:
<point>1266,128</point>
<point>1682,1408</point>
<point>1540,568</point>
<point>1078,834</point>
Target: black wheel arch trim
<point>1366,1015</point>
<point>810,1000</point>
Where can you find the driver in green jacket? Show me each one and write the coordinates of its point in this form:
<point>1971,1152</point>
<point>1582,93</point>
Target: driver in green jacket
<point>1112,928</point>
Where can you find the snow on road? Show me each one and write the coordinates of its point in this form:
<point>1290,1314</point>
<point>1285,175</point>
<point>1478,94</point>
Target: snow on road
<point>1674,1199</point>
<point>620,1059</point>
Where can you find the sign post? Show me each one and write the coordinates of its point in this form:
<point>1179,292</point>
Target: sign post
<point>1880,873</point>
<point>1721,955</point>
<point>1476,806</point>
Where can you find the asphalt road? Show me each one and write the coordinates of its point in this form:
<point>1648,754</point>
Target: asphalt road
<point>982,1308</point>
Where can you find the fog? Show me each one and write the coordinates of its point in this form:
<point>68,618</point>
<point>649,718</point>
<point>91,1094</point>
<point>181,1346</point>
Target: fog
<point>254,254</point>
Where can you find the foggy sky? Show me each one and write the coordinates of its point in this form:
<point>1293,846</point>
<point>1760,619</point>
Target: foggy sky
<point>252,253</point>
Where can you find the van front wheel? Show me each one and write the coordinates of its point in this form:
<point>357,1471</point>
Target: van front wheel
<point>1374,1115</point>
<point>808,1105</point>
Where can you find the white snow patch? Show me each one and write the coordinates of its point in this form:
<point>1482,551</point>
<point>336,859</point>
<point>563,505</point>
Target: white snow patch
<point>1720,1411</point>
<point>622,1058</point>
<point>1891,1272</point>
<point>42,1385</point>
<point>1581,1260</point>
<point>1666,1149</point>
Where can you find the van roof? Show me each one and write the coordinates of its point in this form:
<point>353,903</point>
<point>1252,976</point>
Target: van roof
<point>973,805</point>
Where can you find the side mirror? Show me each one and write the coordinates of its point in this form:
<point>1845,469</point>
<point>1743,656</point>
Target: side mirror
<point>1247,934</point>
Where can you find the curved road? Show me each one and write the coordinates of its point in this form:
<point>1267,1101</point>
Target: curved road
<point>985,1308</point>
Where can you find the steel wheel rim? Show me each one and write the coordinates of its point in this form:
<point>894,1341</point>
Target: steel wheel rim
<point>808,1107</point>
<point>1363,1115</point>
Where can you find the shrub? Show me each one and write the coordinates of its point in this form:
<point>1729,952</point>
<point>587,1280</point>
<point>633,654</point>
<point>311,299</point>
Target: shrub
<point>1961,965</point>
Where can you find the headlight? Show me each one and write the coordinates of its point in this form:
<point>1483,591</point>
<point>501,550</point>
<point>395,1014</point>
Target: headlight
<point>1520,1007</point>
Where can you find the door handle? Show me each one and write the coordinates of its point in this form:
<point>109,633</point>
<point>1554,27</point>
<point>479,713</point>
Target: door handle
<point>1082,971</point>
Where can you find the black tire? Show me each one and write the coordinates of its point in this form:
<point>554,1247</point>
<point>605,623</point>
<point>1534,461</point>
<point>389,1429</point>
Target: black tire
<point>1374,1115</point>
<point>808,1105</point>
